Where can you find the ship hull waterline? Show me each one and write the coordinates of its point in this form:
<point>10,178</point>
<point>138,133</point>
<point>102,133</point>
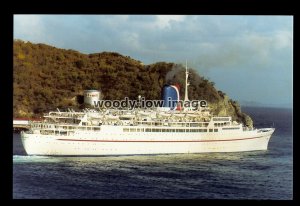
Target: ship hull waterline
<point>37,144</point>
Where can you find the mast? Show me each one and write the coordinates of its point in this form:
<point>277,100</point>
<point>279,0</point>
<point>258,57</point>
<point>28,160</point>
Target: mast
<point>186,98</point>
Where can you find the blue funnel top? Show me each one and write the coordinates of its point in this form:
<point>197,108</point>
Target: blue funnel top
<point>170,96</point>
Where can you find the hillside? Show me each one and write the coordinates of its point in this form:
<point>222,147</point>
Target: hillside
<point>45,78</point>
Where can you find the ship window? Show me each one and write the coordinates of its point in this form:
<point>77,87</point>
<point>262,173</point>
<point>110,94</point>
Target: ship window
<point>215,130</point>
<point>210,130</point>
<point>126,130</point>
<point>147,130</point>
<point>221,119</point>
<point>132,130</point>
<point>229,128</point>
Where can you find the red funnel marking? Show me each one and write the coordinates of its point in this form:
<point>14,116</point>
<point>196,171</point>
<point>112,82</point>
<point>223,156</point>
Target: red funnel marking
<point>179,103</point>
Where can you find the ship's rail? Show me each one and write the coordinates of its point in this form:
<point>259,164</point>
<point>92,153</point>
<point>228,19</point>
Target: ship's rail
<point>43,125</point>
<point>265,130</point>
<point>173,123</point>
<point>70,129</point>
<point>152,122</point>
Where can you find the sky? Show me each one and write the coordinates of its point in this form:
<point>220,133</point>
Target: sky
<point>250,58</point>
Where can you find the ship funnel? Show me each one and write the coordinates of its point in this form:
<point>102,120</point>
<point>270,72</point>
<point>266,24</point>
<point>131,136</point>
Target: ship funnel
<point>171,97</point>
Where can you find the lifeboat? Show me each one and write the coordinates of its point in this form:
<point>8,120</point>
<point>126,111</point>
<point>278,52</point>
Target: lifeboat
<point>144,113</point>
<point>110,116</point>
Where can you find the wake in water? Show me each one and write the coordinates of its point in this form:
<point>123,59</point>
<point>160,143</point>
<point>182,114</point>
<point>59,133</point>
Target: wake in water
<point>26,158</point>
<point>158,158</point>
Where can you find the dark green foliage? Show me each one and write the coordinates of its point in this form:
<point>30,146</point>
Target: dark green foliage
<point>46,77</point>
<point>80,99</point>
<point>79,64</point>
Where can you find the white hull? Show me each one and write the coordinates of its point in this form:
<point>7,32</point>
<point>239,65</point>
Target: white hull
<point>114,143</point>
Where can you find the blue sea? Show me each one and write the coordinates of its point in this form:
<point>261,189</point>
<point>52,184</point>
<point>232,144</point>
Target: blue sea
<point>259,175</point>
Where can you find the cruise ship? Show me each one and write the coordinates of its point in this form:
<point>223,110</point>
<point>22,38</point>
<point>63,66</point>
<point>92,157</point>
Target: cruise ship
<point>166,130</point>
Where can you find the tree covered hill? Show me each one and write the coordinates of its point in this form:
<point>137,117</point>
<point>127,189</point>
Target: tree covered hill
<point>45,78</point>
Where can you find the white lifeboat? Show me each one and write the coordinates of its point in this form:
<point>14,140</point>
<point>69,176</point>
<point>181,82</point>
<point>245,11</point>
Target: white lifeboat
<point>144,113</point>
<point>110,116</point>
<point>129,116</point>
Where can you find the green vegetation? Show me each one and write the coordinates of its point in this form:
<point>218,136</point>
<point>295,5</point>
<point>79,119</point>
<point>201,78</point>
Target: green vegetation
<point>46,78</point>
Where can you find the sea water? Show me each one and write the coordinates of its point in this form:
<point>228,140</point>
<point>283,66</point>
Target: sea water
<point>243,175</point>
